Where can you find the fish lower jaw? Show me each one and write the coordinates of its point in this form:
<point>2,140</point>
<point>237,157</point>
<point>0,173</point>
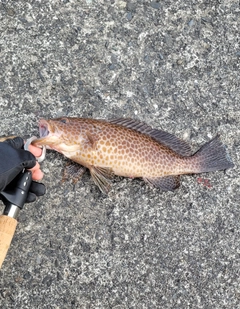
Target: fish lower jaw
<point>67,150</point>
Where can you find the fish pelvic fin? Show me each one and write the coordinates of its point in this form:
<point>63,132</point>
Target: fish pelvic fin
<point>102,176</point>
<point>73,171</point>
<point>212,156</point>
<point>167,183</point>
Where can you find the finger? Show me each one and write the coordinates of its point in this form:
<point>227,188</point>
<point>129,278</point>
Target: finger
<point>28,159</point>
<point>37,175</point>
<point>35,167</point>
<point>31,197</point>
<point>36,151</point>
<point>37,188</point>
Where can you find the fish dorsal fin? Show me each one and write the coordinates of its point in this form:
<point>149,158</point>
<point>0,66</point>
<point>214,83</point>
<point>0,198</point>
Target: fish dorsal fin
<point>167,139</point>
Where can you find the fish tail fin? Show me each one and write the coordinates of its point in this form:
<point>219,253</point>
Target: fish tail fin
<point>212,156</point>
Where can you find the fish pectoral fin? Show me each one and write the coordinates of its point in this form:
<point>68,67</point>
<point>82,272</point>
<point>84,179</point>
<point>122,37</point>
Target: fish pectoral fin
<point>91,140</point>
<point>101,176</point>
<point>167,183</point>
<point>73,171</point>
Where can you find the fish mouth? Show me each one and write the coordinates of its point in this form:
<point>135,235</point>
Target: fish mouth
<point>44,132</point>
<point>43,128</point>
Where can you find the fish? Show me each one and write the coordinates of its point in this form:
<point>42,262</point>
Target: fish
<point>129,148</point>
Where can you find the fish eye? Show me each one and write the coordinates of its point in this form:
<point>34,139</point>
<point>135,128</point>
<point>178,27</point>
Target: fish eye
<point>63,120</point>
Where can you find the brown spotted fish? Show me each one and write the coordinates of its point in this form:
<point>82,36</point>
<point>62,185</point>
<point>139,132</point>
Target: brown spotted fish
<point>129,148</point>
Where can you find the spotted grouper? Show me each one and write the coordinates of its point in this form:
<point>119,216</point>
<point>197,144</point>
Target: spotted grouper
<point>129,148</point>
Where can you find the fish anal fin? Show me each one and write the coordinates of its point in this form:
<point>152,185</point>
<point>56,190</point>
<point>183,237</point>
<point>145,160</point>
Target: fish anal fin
<point>102,176</point>
<point>73,171</point>
<point>167,183</point>
<point>169,140</point>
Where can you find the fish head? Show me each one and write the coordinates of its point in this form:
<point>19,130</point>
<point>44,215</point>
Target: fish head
<point>59,134</point>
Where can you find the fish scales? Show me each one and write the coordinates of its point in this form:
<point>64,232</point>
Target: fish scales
<point>129,148</point>
<point>126,152</point>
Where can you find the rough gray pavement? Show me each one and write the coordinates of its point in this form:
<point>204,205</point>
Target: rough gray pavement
<point>172,64</point>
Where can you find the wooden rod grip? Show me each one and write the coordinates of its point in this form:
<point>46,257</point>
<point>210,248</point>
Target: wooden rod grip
<point>7,230</point>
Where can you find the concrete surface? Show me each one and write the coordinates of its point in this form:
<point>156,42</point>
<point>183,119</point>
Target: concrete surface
<point>172,64</point>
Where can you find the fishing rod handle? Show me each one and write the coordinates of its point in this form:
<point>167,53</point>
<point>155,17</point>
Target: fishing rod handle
<point>7,230</point>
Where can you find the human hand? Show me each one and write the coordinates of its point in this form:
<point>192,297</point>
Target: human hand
<point>13,159</point>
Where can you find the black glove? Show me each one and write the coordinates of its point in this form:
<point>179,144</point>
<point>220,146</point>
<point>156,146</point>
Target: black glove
<point>13,159</point>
